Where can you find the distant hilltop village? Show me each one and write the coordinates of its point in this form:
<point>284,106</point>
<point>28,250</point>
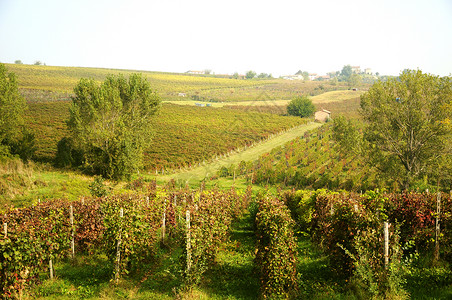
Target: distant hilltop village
<point>345,74</point>
<point>347,70</point>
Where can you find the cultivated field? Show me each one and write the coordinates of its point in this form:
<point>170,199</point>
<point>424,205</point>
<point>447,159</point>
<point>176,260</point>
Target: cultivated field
<point>48,82</point>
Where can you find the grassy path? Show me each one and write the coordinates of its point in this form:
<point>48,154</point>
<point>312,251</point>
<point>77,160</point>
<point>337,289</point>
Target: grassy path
<point>233,276</point>
<point>197,174</point>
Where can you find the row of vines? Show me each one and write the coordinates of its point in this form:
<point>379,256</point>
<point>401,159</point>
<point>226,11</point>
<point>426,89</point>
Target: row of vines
<point>128,229</point>
<point>310,161</point>
<point>350,227</point>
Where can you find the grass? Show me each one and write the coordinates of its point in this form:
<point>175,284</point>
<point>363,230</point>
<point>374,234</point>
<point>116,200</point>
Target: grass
<point>335,96</point>
<point>233,276</point>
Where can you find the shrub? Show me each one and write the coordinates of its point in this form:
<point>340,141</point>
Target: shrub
<point>301,106</point>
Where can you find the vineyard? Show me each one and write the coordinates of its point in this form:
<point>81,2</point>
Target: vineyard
<point>41,83</point>
<point>132,234</point>
<point>309,161</point>
<point>184,135</point>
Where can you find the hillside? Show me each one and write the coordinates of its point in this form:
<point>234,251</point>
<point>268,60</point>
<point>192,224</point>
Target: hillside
<point>184,135</point>
<point>38,83</point>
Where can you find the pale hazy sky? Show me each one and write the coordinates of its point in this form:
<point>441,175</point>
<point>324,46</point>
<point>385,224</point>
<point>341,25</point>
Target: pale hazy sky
<point>278,37</point>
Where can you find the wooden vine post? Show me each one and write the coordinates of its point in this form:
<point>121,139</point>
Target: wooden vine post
<point>71,219</point>
<point>51,268</point>
<point>437,227</point>
<point>188,237</point>
<point>164,222</point>
<point>386,246</point>
<point>118,247</point>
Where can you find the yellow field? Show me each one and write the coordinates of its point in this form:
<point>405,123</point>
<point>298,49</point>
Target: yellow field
<point>334,96</point>
<point>42,82</point>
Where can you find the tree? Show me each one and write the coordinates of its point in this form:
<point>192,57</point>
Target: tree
<point>38,63</point>
<point>18,62</point>
<point>347,136</point>
<point>301,106</point>
<point>250,75</point>
<point>408,125</point>
<point>346,72</point>
<point>111,123</point>
<point>12,106</point>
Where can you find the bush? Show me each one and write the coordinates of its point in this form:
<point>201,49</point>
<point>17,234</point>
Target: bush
<point>97,187</point>
<point>301,107</point>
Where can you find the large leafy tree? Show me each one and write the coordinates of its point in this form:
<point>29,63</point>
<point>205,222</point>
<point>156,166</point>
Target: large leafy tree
<point>301,106</point>
<point>12,106</point>
<point>408,125</point>
<point>110,123</point>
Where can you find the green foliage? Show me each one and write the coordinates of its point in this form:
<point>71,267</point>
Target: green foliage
<point>111,123</point>
<point>12,107</point>
<point>275,249</point>
<point>339,218</point>
<point>250,74</point>
<point>301,204</point>
<point>67,155</point>
<point>408,124</point>
<point>301,106</point>
<point>371,278</point>
<point>98,188</point>
<point>347,136</point>
<point>25,146</point>
<point>346,72</point>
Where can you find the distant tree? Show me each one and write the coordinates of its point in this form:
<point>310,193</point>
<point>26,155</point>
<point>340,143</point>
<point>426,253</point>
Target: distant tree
<point>250,74</point>
<point>377,74</point>
<point>303,73</point>
<point>408,125</point>
<point>111,123</point>
<point>207,71</point>
<point>264,75</point>
<point>12,107</point>
<point>38,63</point>
<point>346,72</point>
<point>235,75</point>
<point>301,106</point>
<point>18,62</point>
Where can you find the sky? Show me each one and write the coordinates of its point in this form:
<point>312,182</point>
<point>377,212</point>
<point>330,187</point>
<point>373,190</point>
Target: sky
<point>278,37</point>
